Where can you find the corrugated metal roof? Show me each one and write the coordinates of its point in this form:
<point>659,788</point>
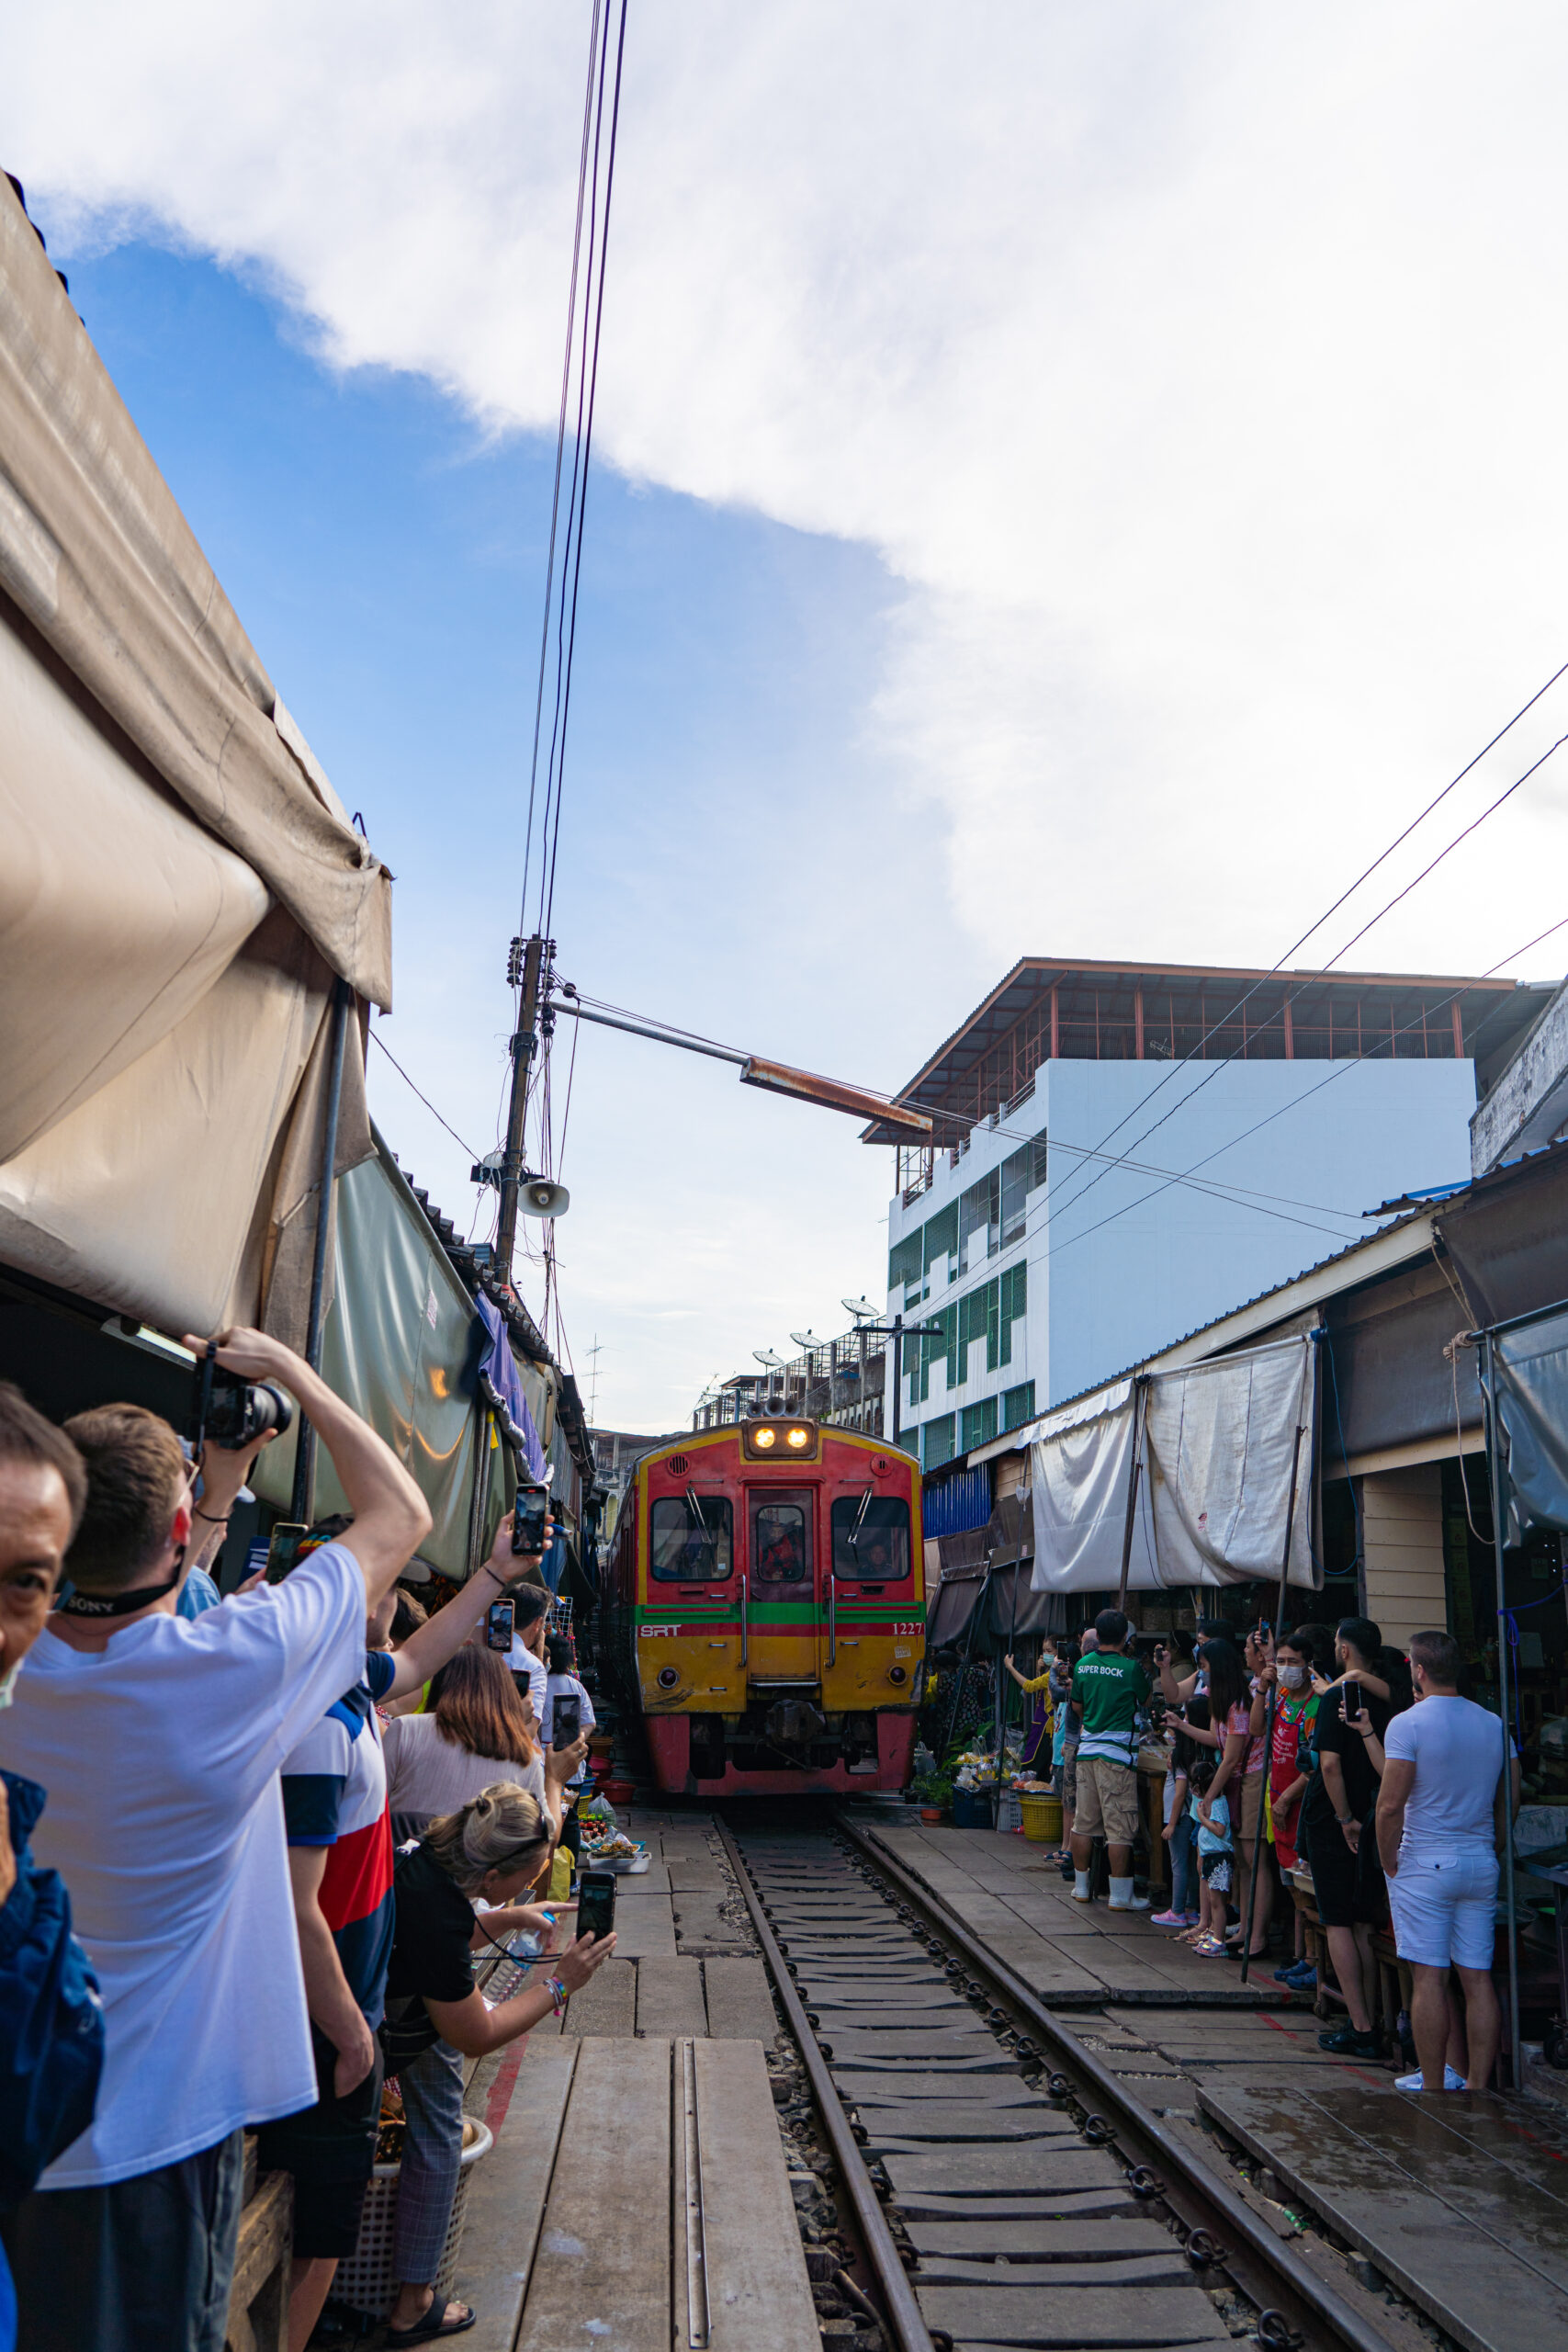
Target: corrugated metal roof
<point>940,1083</point>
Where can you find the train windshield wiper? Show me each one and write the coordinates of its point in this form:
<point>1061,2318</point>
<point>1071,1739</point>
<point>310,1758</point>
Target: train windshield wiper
<point>707,1537</point>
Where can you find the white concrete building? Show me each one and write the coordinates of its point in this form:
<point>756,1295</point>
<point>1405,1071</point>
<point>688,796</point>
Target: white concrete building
<point>1092,1193</point>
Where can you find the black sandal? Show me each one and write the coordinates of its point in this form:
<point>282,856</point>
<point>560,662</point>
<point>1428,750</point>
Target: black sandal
<point>433,2324</point>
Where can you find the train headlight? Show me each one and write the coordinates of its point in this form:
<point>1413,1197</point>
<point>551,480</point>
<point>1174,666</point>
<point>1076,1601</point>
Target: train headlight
<point>894,1674</point>
<point>797,1438</point>
<point>763,1440</point>
<point>667,1678</point>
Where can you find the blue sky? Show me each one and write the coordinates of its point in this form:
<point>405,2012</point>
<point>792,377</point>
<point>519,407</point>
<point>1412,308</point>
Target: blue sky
<point>724,859</point>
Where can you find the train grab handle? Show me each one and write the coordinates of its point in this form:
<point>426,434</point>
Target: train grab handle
<point>745,1644</point>
<point>832,1618</point>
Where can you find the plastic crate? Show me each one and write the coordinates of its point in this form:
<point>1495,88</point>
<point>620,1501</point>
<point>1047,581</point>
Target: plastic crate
<point>972,1808</point>
<point>367,2281</point>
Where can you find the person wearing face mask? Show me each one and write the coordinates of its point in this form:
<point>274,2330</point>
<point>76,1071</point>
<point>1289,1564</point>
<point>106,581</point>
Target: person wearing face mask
<point>1290,1771</point>
<point>51,2025</point>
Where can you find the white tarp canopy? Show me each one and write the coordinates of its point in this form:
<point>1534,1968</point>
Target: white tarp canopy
<point>179,884</point>
<point>1217,1441</point>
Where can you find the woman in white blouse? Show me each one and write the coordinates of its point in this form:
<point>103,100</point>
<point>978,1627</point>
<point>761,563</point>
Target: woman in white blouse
<point>477,1729</point>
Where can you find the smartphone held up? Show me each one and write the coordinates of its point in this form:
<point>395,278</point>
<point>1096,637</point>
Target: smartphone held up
<point>529,1515</point>
<point>597,1905</point>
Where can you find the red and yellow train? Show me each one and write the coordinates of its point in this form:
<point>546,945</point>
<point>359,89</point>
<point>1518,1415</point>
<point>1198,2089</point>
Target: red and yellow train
<point>766,1609</point>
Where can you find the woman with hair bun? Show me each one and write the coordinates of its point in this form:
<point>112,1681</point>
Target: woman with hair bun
<point>492,1848</point>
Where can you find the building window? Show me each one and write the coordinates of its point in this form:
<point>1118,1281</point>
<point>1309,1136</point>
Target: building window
<point>979,1425</point>
<point>1014,1305</point>
<point>976,1320</point>
<point>939,1237</point>
<point>904,1262</point>
<point>979,1222</point>
<point>936,1442</point>
<point>1018,1406</point>
<point>1015,1184</point>
<point>1037,1162</point>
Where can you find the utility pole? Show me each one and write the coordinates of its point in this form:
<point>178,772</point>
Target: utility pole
<point>523,965</point>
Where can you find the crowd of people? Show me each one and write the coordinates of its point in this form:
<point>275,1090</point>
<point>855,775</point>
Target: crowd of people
<point>206,1925</point>
<point>1324,1751</point>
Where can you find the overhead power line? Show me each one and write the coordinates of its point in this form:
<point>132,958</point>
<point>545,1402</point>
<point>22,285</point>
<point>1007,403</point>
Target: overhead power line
<point>429,1105</point>
<point>561,451</point>
<point>1340,1070</point>
<point>1322,973</point>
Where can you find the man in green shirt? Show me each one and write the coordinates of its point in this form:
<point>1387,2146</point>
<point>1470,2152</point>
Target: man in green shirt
<point>1109,1691</point>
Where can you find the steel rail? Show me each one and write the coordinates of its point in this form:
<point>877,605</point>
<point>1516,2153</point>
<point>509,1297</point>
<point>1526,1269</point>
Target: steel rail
<point>904,2322</point>
<point>1254,2256</point>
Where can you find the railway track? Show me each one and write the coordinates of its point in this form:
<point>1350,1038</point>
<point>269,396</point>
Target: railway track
<point>1005,2186</point>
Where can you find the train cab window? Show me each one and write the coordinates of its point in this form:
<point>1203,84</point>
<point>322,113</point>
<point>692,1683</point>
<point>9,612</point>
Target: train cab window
<point>871,1538</point>
<point>780,1541</point>
<point>686,1550</point>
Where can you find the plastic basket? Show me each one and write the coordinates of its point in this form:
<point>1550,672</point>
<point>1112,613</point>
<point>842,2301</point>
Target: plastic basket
<point>367,2281</point>
<point>1042,1818</point>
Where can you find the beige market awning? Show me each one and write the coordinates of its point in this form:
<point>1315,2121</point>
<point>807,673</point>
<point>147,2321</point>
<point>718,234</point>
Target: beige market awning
<point>179,887</point>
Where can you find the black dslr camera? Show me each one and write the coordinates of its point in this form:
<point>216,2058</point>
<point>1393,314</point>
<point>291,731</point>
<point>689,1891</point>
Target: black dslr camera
<point>232,1412</point>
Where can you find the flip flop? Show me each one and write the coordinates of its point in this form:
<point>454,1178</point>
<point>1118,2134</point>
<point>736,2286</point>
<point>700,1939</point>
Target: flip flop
<point>433,2324</point>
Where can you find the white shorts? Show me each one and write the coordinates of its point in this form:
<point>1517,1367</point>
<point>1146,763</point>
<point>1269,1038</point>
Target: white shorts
<point>1444,1907</point>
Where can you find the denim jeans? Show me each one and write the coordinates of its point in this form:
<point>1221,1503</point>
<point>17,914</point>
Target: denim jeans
<point>1183,1866</point>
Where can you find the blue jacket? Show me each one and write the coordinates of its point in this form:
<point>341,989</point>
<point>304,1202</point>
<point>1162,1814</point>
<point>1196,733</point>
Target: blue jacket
<point>51,2022</point>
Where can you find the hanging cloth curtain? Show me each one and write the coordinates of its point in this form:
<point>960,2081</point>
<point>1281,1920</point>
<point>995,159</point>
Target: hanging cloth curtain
<point>1532,1371</point>
<point>1082,1463</point>
<point>1219,1443</point>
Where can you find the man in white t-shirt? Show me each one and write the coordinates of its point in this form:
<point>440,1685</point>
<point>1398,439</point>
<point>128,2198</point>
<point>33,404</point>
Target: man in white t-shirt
<point>1440,1829</point>
<point>159,1740</point>
<point>530,1620</point>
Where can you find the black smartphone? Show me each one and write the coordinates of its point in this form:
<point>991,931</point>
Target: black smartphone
<point>499,1625</point>
<point>529,1514</point>
<point>283,1550</point>
<point>566,1722</point>
<point>1351,1703</point>
<point>596,1904</point>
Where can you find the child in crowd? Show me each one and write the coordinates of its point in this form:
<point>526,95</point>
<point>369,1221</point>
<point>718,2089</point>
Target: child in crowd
<point>1179,1833</point>
<point>1215,1855</point>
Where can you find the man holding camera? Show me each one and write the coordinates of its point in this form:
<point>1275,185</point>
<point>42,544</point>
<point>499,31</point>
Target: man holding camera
<point>159,1740</point>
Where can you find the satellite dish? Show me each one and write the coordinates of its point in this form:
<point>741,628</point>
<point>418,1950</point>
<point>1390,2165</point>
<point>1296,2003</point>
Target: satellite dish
<point>766,1358</point>
<point>537,1196</point>
<point>806,1340</point>
<point>859,1308</point>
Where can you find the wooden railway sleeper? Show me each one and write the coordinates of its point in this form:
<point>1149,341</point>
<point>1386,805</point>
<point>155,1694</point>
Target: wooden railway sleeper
<point>1259,2263</point>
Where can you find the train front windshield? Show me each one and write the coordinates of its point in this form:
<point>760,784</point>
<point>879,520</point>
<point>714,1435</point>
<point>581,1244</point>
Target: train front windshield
<point>686,1549</point>
<point>871,1540</point>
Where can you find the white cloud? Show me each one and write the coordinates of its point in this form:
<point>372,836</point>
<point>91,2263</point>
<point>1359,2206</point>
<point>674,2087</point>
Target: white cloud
<point>1196,373</point>
<point>1196,370</point>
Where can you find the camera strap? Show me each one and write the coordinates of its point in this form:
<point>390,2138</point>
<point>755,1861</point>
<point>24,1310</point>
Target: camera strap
<point>116,1604</point>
